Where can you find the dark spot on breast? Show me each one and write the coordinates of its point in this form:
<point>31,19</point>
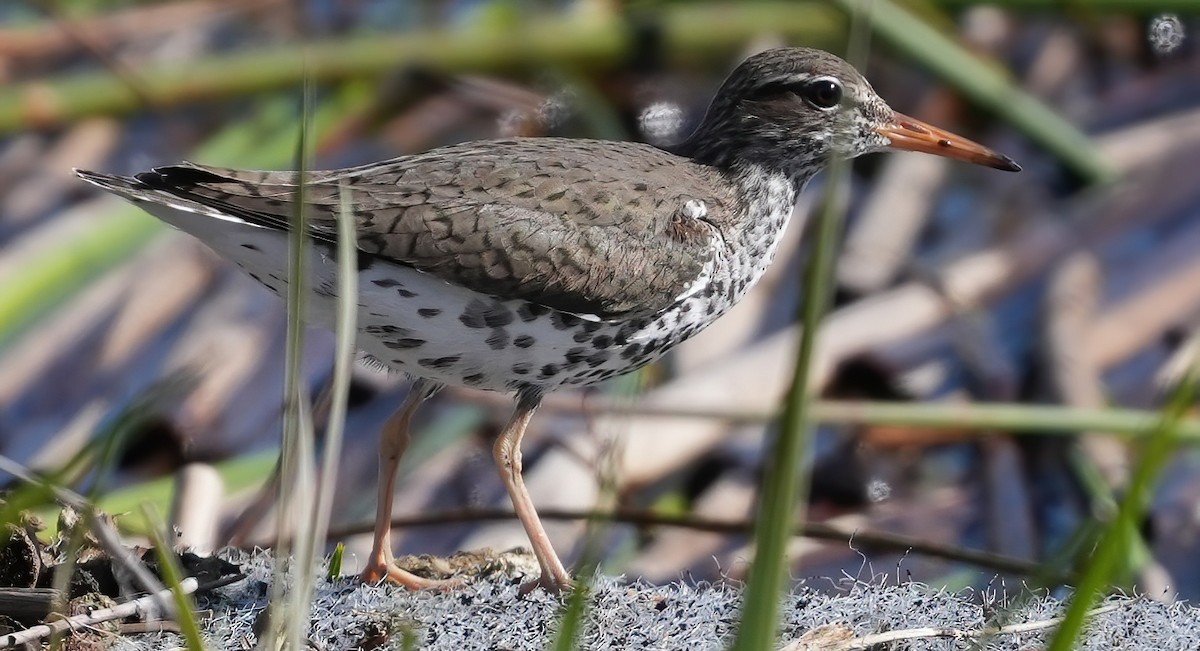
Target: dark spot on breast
<point>601,342</point>
<point>498,340</point>
<point>404,293</point>
<point>473,379</point>
<point>429,312</point>
<point>564,321</point>
<point>576,355</point>
<point>549,370</point>
<point>404,343</point>
<point>530,311</point>
<point>631,351</point>
<point>439,362</point>
<point>598,358</point>
<point>524,341</point>
<point>522,368</point>
<point>251,247</point>
<point>385,329</point>
<point>472,319</point>
<point>484,314</point>
<point>385,282</point>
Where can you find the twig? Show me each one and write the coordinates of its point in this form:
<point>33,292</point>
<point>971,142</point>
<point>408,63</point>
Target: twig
<point>160,626</point>
<point>817,530</point>
<point>142,606</point>
<point>868,641</point>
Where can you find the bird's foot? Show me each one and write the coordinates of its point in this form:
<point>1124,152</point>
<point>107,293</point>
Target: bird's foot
<point>552,584</point>
<point>376,572</point>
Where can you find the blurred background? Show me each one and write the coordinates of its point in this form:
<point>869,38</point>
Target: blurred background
<point>128,351</point>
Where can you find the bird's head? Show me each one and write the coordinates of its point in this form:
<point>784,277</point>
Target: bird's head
<point>793,109</point>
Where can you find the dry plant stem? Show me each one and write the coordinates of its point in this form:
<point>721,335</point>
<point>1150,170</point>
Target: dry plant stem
<point>1167,292</point>
<point>869,641</point>
<point>881,239</point>
<point>145,607</point>
<point>1149,142</point>
<point>393,441</point>
<point>195,510</point>
<point>507,453</point>
<point>1070,309</point>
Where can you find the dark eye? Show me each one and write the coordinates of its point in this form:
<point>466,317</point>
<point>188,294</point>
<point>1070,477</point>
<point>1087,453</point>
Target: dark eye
<point>823,93</point>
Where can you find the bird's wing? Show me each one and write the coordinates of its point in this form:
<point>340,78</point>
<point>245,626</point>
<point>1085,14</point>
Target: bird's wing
<point>607,229</point>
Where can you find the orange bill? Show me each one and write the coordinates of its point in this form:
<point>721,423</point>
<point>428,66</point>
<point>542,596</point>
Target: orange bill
<point>911,134</point>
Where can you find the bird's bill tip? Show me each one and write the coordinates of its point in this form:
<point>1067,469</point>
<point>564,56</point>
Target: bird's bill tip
<point>910,134</point>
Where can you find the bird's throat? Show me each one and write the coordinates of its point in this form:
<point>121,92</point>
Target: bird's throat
<point>768,200</point>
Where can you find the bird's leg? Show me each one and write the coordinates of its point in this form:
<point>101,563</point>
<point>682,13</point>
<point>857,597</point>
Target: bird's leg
<point>507,453</point>
<point>393,441</point>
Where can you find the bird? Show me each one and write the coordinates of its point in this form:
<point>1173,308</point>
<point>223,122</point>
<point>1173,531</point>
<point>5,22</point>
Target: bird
<point>528,265</point>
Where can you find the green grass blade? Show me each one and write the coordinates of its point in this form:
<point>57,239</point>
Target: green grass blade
<point>296,452</point>
<point>782,488</point>
<point>172,576</point>
<point>570,624</point>
<point>784,494</point>
<point>1119,537</point>
<point>343,364</point>
<point>335,562</point>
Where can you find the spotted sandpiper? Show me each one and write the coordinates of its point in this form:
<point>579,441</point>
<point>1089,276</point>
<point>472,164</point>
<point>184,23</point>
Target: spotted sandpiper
<point>526,265</point>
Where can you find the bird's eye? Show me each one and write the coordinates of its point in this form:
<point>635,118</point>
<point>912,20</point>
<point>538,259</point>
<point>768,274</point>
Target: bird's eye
<point>823,93</point>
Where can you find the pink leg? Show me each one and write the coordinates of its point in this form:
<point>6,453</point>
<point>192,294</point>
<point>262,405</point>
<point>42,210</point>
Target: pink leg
<point>507,453</point>
<point>393,441</point>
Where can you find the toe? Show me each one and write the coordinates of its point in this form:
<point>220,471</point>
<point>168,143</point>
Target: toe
<point>375,573</point>
<point>553,585</point>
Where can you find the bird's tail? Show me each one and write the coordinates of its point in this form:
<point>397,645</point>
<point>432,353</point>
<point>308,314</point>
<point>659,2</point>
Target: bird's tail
<point>153,199</point>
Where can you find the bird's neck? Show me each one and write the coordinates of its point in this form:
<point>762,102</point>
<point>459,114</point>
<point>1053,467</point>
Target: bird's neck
<point>767,199</point>
<point>749,154</point>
